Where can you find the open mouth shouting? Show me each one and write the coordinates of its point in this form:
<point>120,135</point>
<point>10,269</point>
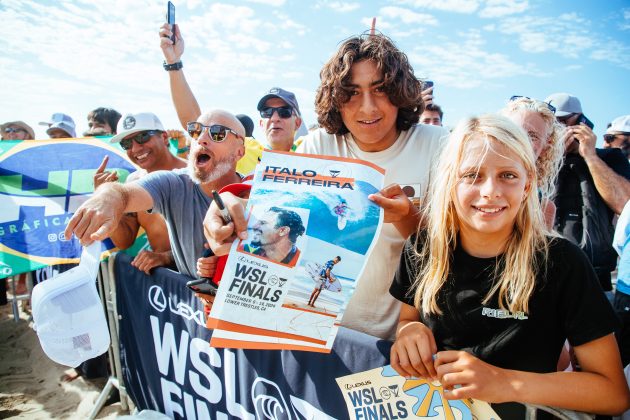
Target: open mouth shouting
<point>202,159</point>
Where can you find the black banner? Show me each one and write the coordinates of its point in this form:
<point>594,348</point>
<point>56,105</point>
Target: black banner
<point>169,366</point>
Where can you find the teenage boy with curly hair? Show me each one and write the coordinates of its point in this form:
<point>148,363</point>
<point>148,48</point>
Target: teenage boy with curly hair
<point>368,106</point>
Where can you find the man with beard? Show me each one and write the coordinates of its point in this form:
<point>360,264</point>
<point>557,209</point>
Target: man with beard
<point>274,236</point>
<point>144,139</point>
<point>182,196</point>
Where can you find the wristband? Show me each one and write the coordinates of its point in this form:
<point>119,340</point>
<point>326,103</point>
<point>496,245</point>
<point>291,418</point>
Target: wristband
<point>172,67</point>
<point>183,150</point>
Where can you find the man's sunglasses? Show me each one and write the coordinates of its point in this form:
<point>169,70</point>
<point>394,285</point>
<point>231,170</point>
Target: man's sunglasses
<point>139,138</point>
<point>14,130</point>
<point>548,105</point>
<point>283,112</point>
<point>609,138</point>
<point>217,132</point>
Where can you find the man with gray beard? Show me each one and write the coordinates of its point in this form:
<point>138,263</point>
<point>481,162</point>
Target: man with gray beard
<point>182,196</point>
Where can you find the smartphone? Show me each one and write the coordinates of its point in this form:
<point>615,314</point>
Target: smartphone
<point>170,18</point>
<point>203,285</point>
<point>427,84</point>
<point>586,121</point>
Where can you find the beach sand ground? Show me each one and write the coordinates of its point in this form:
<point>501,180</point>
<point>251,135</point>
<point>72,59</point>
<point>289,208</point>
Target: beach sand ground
<point>30,383</point>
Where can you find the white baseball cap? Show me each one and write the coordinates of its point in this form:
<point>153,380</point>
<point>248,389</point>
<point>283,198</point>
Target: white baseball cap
<point>619,125</point>
<point>63,122</point>
<point>135,123</point>
<point>565,104</point>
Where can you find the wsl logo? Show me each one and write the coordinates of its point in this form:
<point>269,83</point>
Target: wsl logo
<point>41,186</point>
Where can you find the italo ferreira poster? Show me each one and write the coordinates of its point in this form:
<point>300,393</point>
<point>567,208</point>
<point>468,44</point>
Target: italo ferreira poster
<point>310,230</point>
<point>382,393</point>
<point>42,183</point>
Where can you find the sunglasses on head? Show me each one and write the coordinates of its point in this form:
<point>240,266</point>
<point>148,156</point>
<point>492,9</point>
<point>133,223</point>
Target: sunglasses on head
<point>283,112</point>
<point>609,138</point>
<point>217,132</point>
<point>14,130</point>
<point>139,138</point>
<point>548,105</point>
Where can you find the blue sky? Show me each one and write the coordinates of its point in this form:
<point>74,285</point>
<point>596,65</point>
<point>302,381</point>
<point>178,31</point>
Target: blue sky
<point>73,56</point>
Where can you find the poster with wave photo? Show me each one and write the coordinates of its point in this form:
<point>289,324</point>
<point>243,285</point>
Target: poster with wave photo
<point>311,228</point>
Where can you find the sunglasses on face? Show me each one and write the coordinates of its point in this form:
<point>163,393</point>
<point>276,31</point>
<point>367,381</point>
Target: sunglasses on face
<point>283,112</point>
<point>139,138</point>
<point>9,130</point>
<point>548,105</point>
<point>609,138</point>
<point>217,132</point>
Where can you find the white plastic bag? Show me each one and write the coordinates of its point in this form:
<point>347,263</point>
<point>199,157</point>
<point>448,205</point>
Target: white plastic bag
<point>68,315</point>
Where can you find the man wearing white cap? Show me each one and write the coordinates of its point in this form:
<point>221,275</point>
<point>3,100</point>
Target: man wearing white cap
<point>618,135</point>
<point>144,139</point>
<point>182,196</point>
<point>592,187</point>
<point>60,126</point>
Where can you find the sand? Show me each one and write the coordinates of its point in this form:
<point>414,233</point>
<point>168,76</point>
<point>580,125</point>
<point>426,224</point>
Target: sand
<point>30,385</point>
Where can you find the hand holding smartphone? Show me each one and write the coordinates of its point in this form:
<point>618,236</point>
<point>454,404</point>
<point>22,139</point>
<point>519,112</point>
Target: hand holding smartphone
<point>586,121</point>
<point>204,285</point>
<point>170,18</point>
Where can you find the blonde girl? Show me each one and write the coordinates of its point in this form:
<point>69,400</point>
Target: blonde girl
<point>489,295</point>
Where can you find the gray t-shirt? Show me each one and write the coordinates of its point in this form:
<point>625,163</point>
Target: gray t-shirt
<point>183,204</point>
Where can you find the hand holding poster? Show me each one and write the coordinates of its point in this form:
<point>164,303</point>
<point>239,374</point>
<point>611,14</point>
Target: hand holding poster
<point>311,228</point>
<point>382,393</point>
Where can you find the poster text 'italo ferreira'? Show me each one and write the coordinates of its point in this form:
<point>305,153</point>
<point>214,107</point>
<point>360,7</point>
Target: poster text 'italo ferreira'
<point>305,177</point>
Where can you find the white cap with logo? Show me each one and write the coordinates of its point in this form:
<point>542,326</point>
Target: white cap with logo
<point>135,123</point>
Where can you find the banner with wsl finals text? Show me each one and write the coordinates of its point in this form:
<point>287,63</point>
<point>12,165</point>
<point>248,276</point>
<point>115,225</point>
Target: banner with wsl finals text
<point>42,183</point>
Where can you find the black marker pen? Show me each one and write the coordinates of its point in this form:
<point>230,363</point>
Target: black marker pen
<point>225,215</point>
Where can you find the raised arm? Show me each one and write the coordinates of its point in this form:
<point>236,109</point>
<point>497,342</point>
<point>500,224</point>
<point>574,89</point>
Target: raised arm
<point>184,100</point>
<point>599,388</point>
<point>614,188</point>
<point>101,214</point>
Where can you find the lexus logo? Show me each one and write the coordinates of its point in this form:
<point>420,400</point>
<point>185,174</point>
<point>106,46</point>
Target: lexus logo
<point>157,298</point>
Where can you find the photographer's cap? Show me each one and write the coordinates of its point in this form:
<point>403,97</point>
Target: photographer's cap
<point>565,104</point>
<point>135,123</point>
<point>285,95</point>
<point>619,125</point>
<point>63,122</point>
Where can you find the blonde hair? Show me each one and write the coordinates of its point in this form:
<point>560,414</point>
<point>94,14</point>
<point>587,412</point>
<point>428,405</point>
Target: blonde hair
<point>549,162</point>
<point>516,271</point>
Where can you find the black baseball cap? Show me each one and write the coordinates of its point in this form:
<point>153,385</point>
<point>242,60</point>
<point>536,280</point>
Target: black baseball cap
<point>285,95</point>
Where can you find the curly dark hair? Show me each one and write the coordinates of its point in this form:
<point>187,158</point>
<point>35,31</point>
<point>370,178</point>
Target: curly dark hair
<point>403,89</point>
<point>290,219</point>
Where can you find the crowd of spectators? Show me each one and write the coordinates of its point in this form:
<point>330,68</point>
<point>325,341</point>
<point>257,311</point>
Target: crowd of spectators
<point>497,251</point>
